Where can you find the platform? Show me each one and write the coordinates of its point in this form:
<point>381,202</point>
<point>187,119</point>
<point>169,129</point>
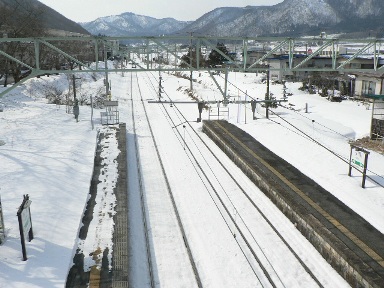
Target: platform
<point>348,242</point>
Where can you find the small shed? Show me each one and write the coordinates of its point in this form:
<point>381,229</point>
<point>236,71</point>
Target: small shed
<point>111,114</point>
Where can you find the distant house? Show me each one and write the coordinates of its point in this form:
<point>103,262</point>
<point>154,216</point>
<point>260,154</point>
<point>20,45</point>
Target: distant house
<point>279,65</point>
<point>355,84</point>
<point>255,53</point>
<point>369,83</point>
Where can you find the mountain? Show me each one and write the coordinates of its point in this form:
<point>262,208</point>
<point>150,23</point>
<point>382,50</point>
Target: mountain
<point>293,18</point>
<point>129,24</point>
<point>288,18</point>
<point>51,20</point>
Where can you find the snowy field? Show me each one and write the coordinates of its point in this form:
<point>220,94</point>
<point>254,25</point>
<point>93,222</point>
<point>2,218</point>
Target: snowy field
<point>48,155</point>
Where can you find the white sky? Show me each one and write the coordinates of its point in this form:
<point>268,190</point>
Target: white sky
<point>89,10</point>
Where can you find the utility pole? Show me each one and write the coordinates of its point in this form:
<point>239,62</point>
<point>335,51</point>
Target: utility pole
<point>160,87</point>
<point>226,98</point>
<point>74,87</point>
<point>267,95</point>
<point>76,108</point>
<point>190,61</point>
<point>5,35</point>
<point>106,71</point>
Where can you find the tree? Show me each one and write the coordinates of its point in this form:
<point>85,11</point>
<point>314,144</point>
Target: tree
<point>190,58</point>
<point>215,58</point>
<point>19,19</point>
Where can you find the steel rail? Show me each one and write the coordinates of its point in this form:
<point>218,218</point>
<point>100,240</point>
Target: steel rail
<point>174,205</point>
<point>142,198</point>
<point>306,268</point>
<point>225,207</point>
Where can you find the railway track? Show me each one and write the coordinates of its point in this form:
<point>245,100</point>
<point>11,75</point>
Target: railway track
<point>138,107</point>
<point>229,198</point>
<point>349,242</point>
<point>142,200</point>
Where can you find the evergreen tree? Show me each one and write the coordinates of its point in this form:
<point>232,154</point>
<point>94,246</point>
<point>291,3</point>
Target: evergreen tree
<point>215,58</point>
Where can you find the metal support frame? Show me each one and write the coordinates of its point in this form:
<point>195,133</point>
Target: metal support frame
<point>217,83</point>
<point>214,47</point>
<point>270,53</point>
<point>358,53</point>
<point>314,54</point>
<point>167,43</point>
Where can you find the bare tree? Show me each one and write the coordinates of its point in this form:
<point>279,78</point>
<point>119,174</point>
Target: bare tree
<point>19,19</point>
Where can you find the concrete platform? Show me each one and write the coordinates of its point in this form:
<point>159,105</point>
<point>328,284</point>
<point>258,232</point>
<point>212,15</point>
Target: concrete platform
<point>348,242</point>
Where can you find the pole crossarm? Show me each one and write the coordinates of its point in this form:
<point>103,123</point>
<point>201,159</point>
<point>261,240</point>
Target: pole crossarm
<point>217,101</point>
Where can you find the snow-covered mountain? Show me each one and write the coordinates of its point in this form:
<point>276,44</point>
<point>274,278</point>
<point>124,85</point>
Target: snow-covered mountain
<point>289,18</point>
<point>130,24</point>
<point>293,17</point>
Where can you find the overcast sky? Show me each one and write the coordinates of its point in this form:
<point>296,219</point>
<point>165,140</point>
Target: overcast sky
<point>88,10</point>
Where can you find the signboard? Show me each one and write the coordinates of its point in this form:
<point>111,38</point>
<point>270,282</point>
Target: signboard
<point>26,221</point>
<point>2,228</point>
<point>358,159</point>
<point>111,103</point>
<point>25,224</point>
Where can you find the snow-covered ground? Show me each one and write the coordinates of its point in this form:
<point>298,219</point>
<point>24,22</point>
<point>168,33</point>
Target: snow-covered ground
<point>48,155</point>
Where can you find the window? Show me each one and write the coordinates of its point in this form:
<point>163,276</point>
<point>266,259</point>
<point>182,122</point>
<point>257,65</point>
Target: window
<point>368,87</point>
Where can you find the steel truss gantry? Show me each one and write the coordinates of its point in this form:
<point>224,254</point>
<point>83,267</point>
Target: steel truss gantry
<point>164,53</point>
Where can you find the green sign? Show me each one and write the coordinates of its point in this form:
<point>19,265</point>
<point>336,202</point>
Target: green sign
<point>358,163</point>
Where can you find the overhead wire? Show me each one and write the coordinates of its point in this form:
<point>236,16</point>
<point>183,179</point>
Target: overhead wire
<point>195,164</point>
<point>249,230</point>
<point>317,142</point>
<point>342,158</point>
